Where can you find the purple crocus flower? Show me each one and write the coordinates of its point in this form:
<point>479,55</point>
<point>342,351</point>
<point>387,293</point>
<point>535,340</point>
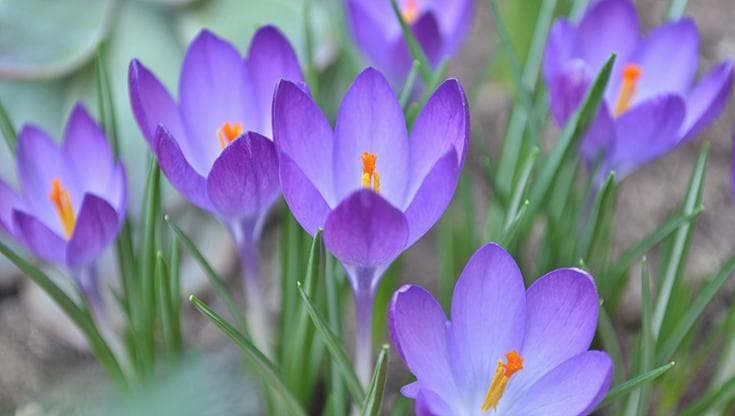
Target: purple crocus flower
<point>374,188</point>
<point>72,198</point>
<point>651,105</point>
<point>214,146</point>
<point>518,352</point>
<point>439,26</point>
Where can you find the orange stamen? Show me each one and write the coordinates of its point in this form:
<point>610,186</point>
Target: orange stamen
<point>631,74</point>
<point>410,11</point>
<point>62,202</point>
<point>370,176</point>
<point>228,133</point>
<point>503,373</point>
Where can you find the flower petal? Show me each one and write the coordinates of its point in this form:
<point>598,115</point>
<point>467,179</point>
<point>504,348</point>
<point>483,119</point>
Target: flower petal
<point>455,20</point>
<point>365,230</point>
<point>646,132</point>
<point>97,226</point>
<point>302,197</point>
<point>213,89</point>
<point>429,403</point>
<point>561,319</point>
<point>488,318</point>
<point>443,124</point>
<point>371,120</point>
<point>88,153</point>
<point>178,170</point>
<point>573,388</point>
<point>38,238</point>
<point>433,197</point>
<point>270,58</point>
<point>301,131</point>
<point>562,46</point>
<point>244,179</point>
<point>567,88</point>
<point>369,23</point>
<point>668,60</point>
<point>418,328</point>
<point>609,27</point>
<point>707,100</point>
<point>9,201</point>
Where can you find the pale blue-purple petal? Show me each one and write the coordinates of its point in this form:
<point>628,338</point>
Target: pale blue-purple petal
<point>9,201</point>
<point>243,181</point>
<point>367,21</point>
<point>371,120</point>
<point>303,198</point>
<point>39,238</point>
<point>562,46</point>
<point>609,27</point>
<point>365,230</point>
<point>270,58</point>
<point>96,227</point>
<point>707,100</point>
<point>567,88</point>
<point>179,172</point>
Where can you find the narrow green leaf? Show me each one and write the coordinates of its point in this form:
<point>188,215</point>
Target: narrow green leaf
<point>648,343</point>
<point>634,383</point>
<point>174,295</point>
<point>417,52</point>
<point>80,316</point>
<point>219,286</point>
<point>338,399</point>
<point>577,9</point>
<point>165,309</point>
<point>711,400</point>
<point>604,201</point>
<point>610,341</point>
<point>374,397</point>
<point>333,344</point>
<point>259,361</point>
<point>695,309</point>
<point>519,189</point>
<point>7,129</point>
<point>407,89</point>
<point>673,271</point>
<point>676,9</point>
<point>105,100</point>
<point>512,231</point>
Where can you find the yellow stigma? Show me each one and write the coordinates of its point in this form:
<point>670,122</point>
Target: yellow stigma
<point>228,133</point>
<point>503,373</point>
<point>631,74</point>
<point>410,11</point>
<point>62,202</point>
<point>370,176</point>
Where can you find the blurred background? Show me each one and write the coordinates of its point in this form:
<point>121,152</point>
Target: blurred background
<point>47,53</point>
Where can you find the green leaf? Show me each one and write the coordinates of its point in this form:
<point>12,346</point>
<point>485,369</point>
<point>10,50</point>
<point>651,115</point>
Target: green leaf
<point>219,286</point>
<point>610,341</point>
<point>374,397</point>
<point>259,361</point>
<point>7,129</point>
<point>695,309</point>
<point>677,258</point>
<point>676,9</point>
<point>512,231</point>
<point>519,189</point>
<point>338,400</point>
<point>634,383</point>
<point>333,344</point>
<point>417,52</point>
<point>603,204</point>
<point>711,400</point>
<point>165,309</point>
<point>648,343</point>
<point>408,86</point>
<point>80,316</point>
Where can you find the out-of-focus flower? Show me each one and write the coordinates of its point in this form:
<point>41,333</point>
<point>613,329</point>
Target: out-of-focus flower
<point>72,197</point>
<point>439,26</point>
<point>514,351</point>
<point>374,188</point>
<point>651,105</point>
<point>214,146</point>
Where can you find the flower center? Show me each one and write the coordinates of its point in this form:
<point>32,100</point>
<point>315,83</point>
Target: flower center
<point>228,133</point>
<point>62,202</point>
<point>410,11</point>
<point>631,74</point>
<point>370,176</point>
<point>503,373</point>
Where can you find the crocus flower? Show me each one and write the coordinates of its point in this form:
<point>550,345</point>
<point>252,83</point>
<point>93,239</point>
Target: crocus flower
<point>439,26</point>
<point>506,351</point>
<point>651,104</point>
<point>72,198</point>
<point>214,146</point>
<point>373,189</point>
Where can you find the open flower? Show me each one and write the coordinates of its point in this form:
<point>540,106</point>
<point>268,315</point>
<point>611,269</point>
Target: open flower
<point>439,26</point>
<point>651,105</point>
<point>214,146</point>
<point>373,188</point>
<point>507,350</point>
<point>72,199</point>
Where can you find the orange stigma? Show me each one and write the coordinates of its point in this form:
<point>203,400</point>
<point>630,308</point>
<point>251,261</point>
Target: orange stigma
<point>410,11</point>
<point>503,373</point>
<point>370,176</point>
<point>62,202</point>
<point>631,74</point>
<point>228,133</point>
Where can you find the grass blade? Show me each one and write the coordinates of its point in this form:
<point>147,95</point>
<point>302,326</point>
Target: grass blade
<point>333,344</point>
<point>676,9</point>
<point>374,397</point>
<point>165,309</point>
<point>259,361</point>
<point>407,89</point>
<point>680,248</point>
<point>214,279</point>
<point>634,383</point>
<point>602,205</point>
<point>338,396</point>
<point>417,52</point>
<point>712,399</point>
<point>695,309</point>
<point>648,343</point>
<point>7,129</point>
<point>519,189</point>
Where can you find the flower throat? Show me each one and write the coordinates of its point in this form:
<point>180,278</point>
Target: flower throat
<point>503,373</point>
